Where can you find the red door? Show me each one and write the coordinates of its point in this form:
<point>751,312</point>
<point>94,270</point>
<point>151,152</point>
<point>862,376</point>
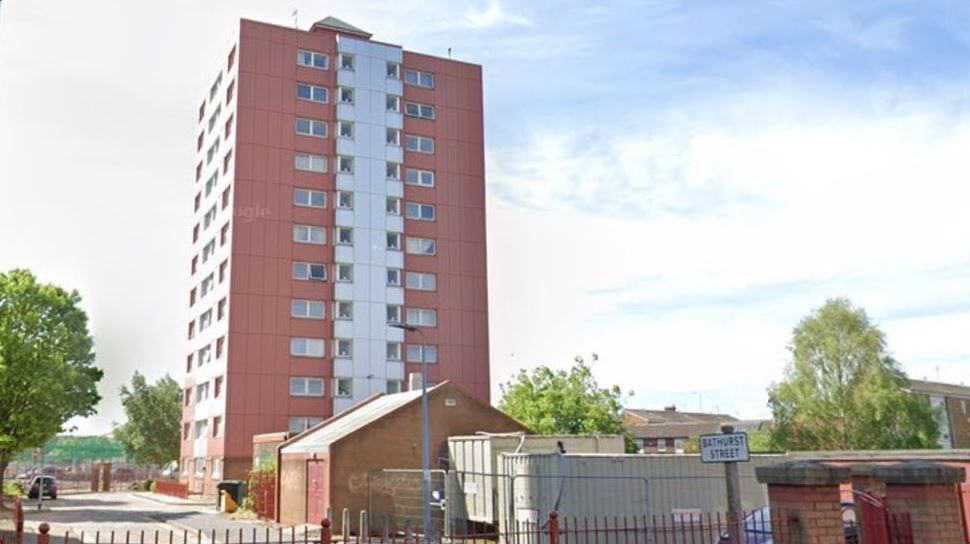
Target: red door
<point>316,491</point>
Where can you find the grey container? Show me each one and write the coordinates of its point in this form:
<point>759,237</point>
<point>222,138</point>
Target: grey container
<point>474,466</point>
<point>592,485</point>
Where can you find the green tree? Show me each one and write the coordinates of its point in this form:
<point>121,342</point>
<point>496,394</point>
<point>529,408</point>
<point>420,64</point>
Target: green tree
<point>151,434</point>
<point>842,390</point>
<point>561,402</point>
<point>47,371</point>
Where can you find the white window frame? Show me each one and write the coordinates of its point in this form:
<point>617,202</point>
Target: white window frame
<point>421,111</point>
<point>421,281</point>
<point>312,56</point>
<point>345,129</point>
<point>209,250</point>
<point>303,309</point>
<point>338,239</point>
<point>395,236</point>
<point>393,70</point>
<point>210,216</point>
<point>310,194</point>
<point>344,197</point>
<point>392,205</point>
<point>393,103</point>
<point>314,163</point>
<point>393,171</point>
<point>417,211</point>
<point>419,177</point>
<point>393,313</point>
<point>343,310</point>
<point>345,164</point>
<point>343,272</point>
<point>422,317</point>
<point>312,347</point>
<point>304,423</point>
<point>346,61</point>
<point>345,95</point>
<point>414,353</point>
<point>302,387</point>
<point>299,267</point>
<point>211,183</point>
<point>393,137</point>
<point>419,144</point>
<point>393,352</point>
<point>313,92</point>
<point>394,273</point>
<point>394,386</point>
<point>414,243</point>
<point>413,77</point>
<point>313,125</point>
<point>309,234</point>
<point>343,387</point>
<point>343,348</point>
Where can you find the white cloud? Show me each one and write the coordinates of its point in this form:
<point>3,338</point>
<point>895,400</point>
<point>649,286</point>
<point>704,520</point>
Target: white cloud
<point>702,244</point>
<point>494,14</point>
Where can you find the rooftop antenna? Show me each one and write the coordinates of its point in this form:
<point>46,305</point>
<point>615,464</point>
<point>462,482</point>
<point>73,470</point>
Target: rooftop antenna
<point>296,18</point>
<point>449,52</point>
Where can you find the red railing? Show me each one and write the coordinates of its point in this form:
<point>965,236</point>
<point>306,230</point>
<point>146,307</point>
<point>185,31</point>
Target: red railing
<point>172,487</point>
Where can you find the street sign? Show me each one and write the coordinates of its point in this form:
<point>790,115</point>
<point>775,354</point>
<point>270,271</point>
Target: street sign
<point>724,448</point>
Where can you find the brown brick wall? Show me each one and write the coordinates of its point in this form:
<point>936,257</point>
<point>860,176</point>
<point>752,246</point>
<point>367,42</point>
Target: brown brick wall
<point>292,492</point>
<point>934,511</point>
<point>815,511</point>
<point>395,442</point>
<point>959,412</point>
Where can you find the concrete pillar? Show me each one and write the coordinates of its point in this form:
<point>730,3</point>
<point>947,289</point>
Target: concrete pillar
<point>805,501</point>
<point>929,492</point>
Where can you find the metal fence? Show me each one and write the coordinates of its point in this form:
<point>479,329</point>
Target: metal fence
<point>709,528</point>
<point>395,501</point>
<point>505,500</point>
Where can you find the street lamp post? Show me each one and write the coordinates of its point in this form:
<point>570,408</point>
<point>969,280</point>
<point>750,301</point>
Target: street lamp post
<point>425,432</point>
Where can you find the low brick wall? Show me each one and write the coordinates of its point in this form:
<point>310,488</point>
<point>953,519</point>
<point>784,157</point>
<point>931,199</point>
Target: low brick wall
<point>172,488</point>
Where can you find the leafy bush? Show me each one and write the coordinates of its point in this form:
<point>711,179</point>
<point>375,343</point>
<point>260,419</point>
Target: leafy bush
<point>14,488</point>
<point>146,485</point>
<point>249,501</point>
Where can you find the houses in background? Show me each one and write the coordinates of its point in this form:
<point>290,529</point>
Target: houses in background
<point>953,401</point>
<point>670,430</point>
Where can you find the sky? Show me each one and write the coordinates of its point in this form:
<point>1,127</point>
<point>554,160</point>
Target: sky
<point>670,185</point>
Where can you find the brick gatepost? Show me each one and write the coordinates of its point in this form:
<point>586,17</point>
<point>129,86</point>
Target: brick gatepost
<point>870,516</point>
<point>864,480</point>
<point>929,493</point>
<point>805,501</point>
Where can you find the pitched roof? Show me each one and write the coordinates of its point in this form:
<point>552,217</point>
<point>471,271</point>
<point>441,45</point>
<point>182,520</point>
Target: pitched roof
<point>319,438</point>
<point>690,430</point>
<point>659,417</point>
<point>333,23</point>
<point>937,388</point>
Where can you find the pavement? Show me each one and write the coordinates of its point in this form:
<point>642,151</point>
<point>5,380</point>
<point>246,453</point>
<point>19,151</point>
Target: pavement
<point>146,518</point>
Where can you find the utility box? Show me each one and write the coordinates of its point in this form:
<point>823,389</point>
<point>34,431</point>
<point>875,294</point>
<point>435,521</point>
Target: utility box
<point>475,483</point>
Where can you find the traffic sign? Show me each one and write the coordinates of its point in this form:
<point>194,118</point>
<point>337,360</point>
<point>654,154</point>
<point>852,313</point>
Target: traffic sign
<point>724,448</point>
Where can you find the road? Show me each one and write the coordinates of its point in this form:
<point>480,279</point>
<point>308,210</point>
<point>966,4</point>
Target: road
<point>145,518</point>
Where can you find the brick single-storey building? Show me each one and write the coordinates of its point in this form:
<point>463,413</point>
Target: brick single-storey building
<point>330,466</point>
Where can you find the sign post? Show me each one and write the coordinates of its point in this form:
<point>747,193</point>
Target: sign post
<point>729,448</point>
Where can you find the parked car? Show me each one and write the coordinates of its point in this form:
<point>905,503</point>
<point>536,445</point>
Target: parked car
<point>757,526</point>
<point>50,487</point>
